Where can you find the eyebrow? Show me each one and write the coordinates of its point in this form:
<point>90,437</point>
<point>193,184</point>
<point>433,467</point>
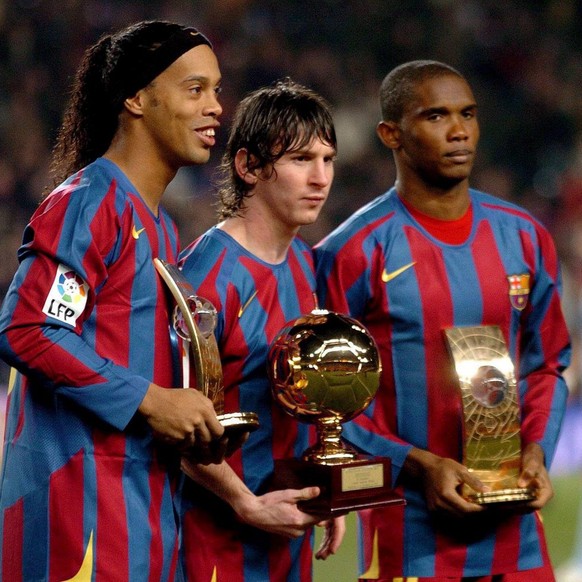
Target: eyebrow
<point>200,78</point>
<point>307,150</point>
<point>444,110</point>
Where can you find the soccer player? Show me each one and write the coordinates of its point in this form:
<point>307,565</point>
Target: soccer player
<point>93,432</point>
<point>429,254</point>
<point>276,175</point>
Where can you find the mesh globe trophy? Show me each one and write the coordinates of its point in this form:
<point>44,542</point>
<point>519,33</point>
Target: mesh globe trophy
<point>194,321</point>
<point>491,427</point>
<point>325,369</point>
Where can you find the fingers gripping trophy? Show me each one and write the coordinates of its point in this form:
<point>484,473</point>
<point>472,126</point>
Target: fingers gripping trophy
<point>325,369</point>
<point>194,320</point>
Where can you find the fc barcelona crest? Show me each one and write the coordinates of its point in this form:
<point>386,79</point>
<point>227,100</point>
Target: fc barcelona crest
<point>518,290</point>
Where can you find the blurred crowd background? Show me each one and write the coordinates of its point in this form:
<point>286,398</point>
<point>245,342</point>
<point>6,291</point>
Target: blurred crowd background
<point>523,59</point>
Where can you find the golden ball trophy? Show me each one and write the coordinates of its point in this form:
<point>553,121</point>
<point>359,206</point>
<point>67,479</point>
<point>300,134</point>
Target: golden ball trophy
<point>194,320</point>
<point>491,414</point>
<point>325,369</point>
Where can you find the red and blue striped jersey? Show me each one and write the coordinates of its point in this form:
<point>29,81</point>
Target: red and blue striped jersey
<point>254,300</point>
<point>383,268</point>
<point>85,491</point>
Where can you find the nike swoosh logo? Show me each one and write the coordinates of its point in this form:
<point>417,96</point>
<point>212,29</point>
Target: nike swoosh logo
<point>389,276</point>
<point>135,233</point>
<point>243,307</point>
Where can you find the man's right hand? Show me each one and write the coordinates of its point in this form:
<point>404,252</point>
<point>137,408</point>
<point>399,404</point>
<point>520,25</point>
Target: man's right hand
<point>181,416</point>
<point>441,480</point>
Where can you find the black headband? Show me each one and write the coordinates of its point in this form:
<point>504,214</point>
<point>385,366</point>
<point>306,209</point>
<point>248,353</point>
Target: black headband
<point>155,61</point>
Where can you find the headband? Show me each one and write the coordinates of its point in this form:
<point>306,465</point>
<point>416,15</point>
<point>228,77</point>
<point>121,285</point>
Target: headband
<point>149,64</point>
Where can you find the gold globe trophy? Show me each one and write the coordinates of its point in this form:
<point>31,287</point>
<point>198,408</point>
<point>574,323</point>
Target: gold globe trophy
<point>325,369</point>
<point>491,427</point>
<point>194,321</point>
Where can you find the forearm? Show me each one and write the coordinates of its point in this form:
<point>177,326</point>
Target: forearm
<point>60,360</point>
<point>222,481</point>
<point>543,407</point>
<point>363,434</point>
<point>417,463</point>
<point>276,511</point>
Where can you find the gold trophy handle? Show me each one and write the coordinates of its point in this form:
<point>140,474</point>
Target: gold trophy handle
<point>204,350</point>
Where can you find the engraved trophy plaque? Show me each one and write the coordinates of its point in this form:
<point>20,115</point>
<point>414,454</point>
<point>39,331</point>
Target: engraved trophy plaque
<point>325,369</point>
<point>194,320</point>
<point>491,425</point>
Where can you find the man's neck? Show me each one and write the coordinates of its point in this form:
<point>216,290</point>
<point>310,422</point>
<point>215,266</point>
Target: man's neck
<point>262,239</point>
<point>148,173</point>
<point>445,204</point>
<point>150,179</point>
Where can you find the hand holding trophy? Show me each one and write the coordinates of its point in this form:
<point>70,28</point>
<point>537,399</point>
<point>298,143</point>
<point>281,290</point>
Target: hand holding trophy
<point>325,369</point>
<point>194,320</point>
<point>492,443</point>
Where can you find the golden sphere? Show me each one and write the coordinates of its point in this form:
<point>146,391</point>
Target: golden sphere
<point>324,364</point>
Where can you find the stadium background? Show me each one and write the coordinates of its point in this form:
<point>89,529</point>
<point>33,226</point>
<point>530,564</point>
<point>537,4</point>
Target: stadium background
<point>523,59</point>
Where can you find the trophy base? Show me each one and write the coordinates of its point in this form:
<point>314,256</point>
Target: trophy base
<point>359,484</point>
<point>516,495</point>
<point>236,423</point>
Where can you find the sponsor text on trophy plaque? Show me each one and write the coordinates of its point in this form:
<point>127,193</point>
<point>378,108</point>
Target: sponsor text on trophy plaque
<point>491,414</point>
<point>325,369</point>
<point>194,321</point>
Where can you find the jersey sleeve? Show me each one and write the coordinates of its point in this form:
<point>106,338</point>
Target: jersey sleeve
<point>345,270</point>
<point>343,273</point>
<point>45,330</point>
<point>545,350</point>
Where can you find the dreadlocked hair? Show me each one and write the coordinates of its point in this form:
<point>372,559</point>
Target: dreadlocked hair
<point>90,119</point>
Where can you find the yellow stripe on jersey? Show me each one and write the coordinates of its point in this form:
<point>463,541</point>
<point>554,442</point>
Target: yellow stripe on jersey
<point>86,569</point>
<point>12,379</point>
<point>373,571</point>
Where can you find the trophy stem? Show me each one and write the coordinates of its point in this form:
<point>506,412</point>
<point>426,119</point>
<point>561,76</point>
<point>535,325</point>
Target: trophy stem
<point>330,449</point>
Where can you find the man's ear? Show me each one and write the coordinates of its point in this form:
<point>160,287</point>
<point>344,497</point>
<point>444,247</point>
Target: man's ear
<point>241,164</point>
<point>134,104</point>
<point>389,134</point>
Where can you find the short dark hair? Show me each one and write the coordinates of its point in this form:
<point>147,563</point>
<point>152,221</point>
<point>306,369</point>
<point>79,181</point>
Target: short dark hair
<point>267,123</point>
<point>116,67</point>
<point>397,88</point>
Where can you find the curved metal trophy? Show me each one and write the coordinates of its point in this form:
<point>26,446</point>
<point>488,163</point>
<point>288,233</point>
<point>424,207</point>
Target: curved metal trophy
<point>491,428</point>
<point>325,369</point>
<point>194,321</point>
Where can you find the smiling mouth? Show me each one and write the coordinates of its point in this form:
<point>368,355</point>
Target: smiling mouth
<point>207,135</point>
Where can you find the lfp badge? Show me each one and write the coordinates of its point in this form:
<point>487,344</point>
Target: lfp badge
<point>518,290</point>
<point>67,297</point>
